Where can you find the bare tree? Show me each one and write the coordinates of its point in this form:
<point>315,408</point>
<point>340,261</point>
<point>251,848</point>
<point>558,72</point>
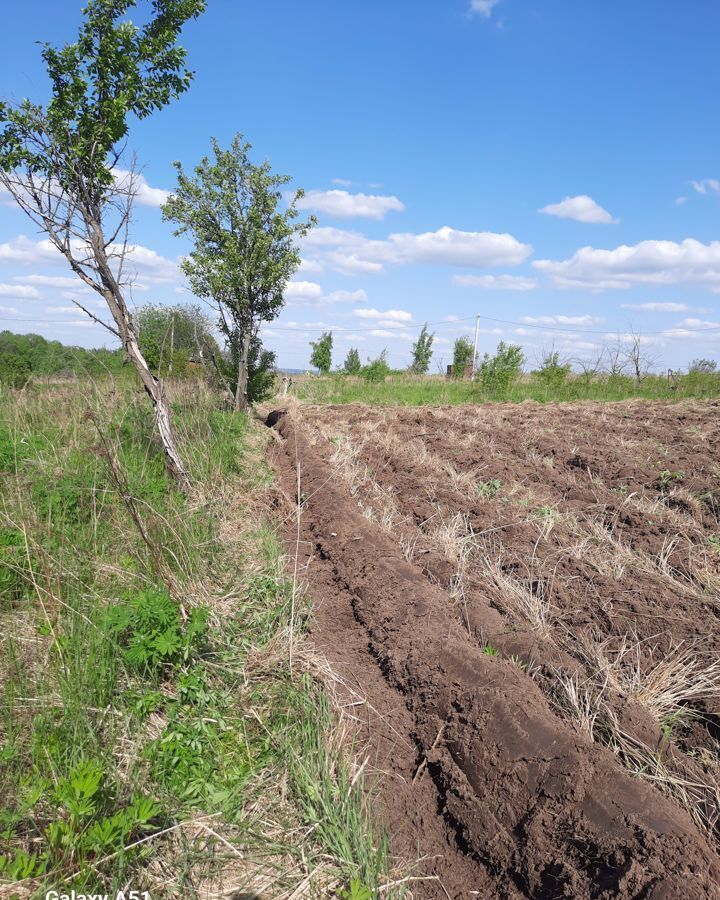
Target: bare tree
<point>61,163</point>
<point>638,358</point>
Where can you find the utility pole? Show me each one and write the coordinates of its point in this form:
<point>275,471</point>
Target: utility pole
<point>477,331</point>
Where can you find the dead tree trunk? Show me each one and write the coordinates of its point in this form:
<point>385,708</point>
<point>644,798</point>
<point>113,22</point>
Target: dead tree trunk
<point>115,300</point>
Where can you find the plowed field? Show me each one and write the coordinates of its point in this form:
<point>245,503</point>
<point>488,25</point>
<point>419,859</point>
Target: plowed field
<point>522,604</point>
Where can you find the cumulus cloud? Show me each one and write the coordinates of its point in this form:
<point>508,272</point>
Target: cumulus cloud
<point>56,281</point>
<point>309,293</point>
<point>389,315</point>
<point>649,262</point>
<point>139,262</point>
<point>656,307</point>
<point>144,194</point>
<point>19,292</point>
<point>341,204</point>
<point>560,320</point>
<point>496,282</point>
<point>358,296</point>
<point>483,8</point>
<point>310,267</point>
<point>707,185</point>
<point>352,252</point>
<point>580,209</point>
<point>302,290</point>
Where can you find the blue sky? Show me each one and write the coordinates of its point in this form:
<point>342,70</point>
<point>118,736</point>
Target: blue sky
<point>551,166</point>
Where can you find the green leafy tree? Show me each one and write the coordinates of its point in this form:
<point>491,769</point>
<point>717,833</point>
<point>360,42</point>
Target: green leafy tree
<point>31,353</point>
<point>462,356</point>
<point>244,249</point>
<point>422,352</point>
<point>62,162</point>
<point>321,356</point>
<point>352,364</point>
<point>553,373</point>
<point>499,371</point>
<point>171,336</point>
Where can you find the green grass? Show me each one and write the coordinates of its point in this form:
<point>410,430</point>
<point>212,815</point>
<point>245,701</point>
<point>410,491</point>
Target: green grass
<point>144,678</point>
<point>409,390</point>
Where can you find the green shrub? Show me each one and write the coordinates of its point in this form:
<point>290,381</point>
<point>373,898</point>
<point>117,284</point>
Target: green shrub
<point>552,373</point>
<point>377,370</point>
<point>498,372</point>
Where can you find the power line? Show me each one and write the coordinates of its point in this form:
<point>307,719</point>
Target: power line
<point>398,326</point>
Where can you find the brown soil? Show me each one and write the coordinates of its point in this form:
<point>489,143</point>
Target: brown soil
<point>605,518</point>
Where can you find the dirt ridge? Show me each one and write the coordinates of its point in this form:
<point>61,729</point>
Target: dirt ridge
<point>545,812</point>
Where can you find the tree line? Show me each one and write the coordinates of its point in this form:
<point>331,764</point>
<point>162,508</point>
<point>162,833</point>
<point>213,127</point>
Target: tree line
<point>498,370</point>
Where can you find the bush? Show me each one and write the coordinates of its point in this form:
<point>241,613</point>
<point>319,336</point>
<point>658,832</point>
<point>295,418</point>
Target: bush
<point>462,356</point>
<point>552,373</point>
<point>352,364</point>
<point>499,371</point>
<point>14,370</point>
<point>377,370</point>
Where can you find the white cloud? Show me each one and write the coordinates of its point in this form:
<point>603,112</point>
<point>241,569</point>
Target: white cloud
<point>25,251</point>
<point>496,282</point>
<point>343,205</point>
<point>382,332</point>
<point>483,8</point>
<point>144,194</point>
<point>19,292</point>
<point>310,267</point>
<point>342,182</point>
<point>140,260</point>
<point>711,185</point>
<point>352,252</point>
<point>649,262</point>
<point>561,320</point>
<point>389,315</point>
<point>309,293</point>
<point>358,296</point>
<point>581,209</point>
<point>699,324</point>
<point>680,201</point>
<point>302,290</point>
<point>656,307</point>
<point>58,281</point>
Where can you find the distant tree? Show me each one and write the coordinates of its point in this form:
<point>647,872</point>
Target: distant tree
<point>352,364</point>
<point>61,163</point>
<point>499,371</point>
<point>244,249</point>
<point>552,372</point>
<point>169,336</point>
<point>422,352</point>
<point>376,370</point>
<point>703,366</point>
<point>462,356</point>
<point>639,360</point>
<point>321,356</point>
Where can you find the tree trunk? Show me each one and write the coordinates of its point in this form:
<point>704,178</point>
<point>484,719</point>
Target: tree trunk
<point>113,296</point>
<point>241,391</point>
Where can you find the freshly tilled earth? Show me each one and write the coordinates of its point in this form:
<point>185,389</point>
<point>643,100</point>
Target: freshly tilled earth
<point>504,592</point>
